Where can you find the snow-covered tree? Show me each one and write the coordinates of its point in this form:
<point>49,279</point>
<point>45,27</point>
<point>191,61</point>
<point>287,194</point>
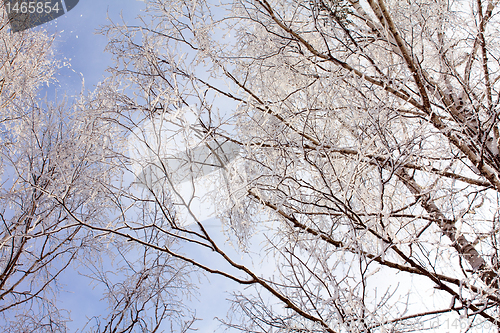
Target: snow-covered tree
<point>56,179</point>
<point>369,153</point>
<point>47,149</point>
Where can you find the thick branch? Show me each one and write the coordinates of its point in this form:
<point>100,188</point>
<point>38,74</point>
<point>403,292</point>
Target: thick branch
<point>447,226</point>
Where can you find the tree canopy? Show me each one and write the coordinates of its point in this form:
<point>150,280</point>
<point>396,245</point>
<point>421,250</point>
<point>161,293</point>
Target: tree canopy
<point>358,138</point>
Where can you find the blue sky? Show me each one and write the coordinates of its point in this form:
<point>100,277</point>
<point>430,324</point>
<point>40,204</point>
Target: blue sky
<point>78,43</point>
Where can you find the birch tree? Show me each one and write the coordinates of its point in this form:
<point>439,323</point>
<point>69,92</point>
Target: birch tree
<point>55,160</point>
<point>369,154</point>
<point>26,64</point>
